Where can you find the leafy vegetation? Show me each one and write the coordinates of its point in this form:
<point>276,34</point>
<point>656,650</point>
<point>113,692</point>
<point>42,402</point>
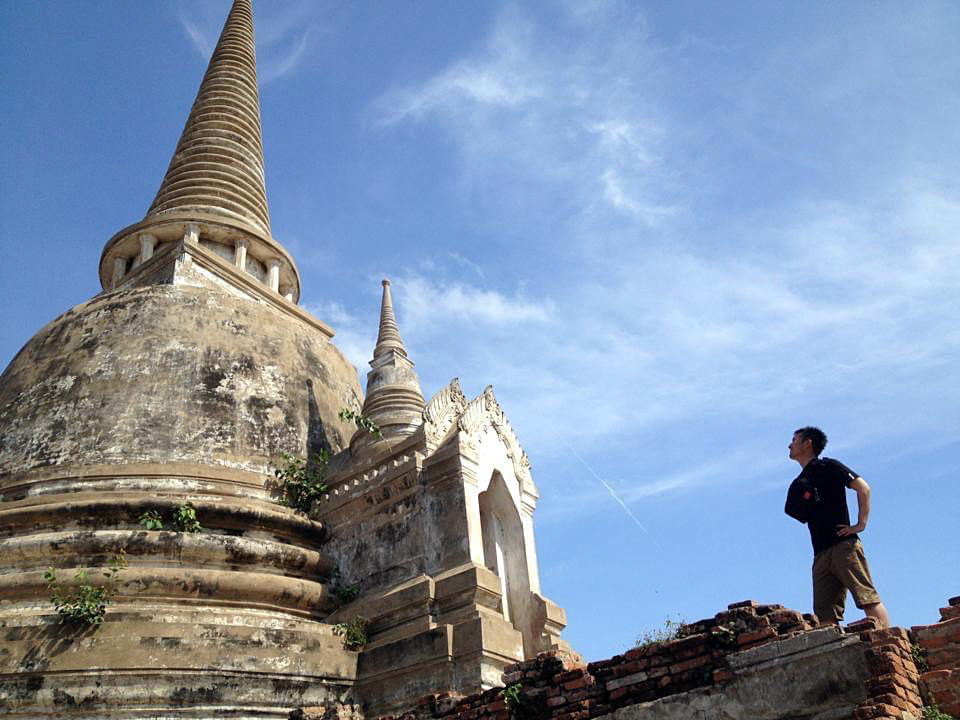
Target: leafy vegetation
<point>512,697</point>
<point>932,712</point>
<point>301,482</point>
<point>354,633</point>
<point>919,656</point>
<point>81,602</point>
<point>671,630</point>
<point>342,591</point>
<point>361,422</point>
<point>724,635</point>
<point>151,520</point>
<point>185,518</point>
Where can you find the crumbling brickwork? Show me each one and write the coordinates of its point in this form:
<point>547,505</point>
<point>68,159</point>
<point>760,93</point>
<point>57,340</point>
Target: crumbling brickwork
<point>893,689</point>
<point>725,666</point>
<point>941,643</point>
<point>762,662</point>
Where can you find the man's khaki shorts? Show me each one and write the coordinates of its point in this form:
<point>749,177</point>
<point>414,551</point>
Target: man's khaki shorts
<point>837,569</point>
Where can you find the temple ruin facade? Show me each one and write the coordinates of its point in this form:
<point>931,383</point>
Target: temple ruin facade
<point>178,389</point>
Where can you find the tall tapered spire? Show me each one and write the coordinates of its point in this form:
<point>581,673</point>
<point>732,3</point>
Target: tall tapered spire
<point>218,163</point>
<point>389,336</point>
<point>213,194</point>
<point>394,400</point>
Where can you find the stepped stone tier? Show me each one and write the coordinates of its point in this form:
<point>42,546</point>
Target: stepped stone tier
<point>183,382</point>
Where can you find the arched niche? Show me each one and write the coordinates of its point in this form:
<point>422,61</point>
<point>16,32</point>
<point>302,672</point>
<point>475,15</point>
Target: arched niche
<point>505,553</point>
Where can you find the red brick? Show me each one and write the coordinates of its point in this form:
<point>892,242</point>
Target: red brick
<point>950,612</point>
<point>942,629</point>
<point>752,637</point>
<point>876,710</point>
<point>568,675</point>
<point>941,657</point>
<point>690,664</point>
<point>582,695</point>
<point>556,701</point>
<point>764,609</point>
<point>784,617</point>
<point>618,693</point>
<point>742,604</point>
<point>894,633</point>
<point>895,700</point>
<point>722,675</point>
<point>867,623</point>
<point>954,600</point>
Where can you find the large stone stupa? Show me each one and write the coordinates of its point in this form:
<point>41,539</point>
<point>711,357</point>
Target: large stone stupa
<point>183,382</point>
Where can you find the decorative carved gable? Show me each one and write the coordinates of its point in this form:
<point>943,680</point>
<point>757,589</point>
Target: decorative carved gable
<point>448,412</point>
<point>442,412</point>
<point>484,410</point>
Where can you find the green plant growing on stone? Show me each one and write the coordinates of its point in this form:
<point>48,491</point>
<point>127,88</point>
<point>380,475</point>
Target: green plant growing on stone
<point>919,656</point>
<point>151,520</point>
<point>301,482</point>
<point>80,602</point>
<point>343,592</point>
<point>185,518</point>
<point>724,635</point>
<point>671,630</point>
<point>932,712</point>
<point>353,633</point>
<point>512,697</point>
<point>361,422</point>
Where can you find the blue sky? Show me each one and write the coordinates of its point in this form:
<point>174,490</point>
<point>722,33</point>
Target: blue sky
<point>667,233</point>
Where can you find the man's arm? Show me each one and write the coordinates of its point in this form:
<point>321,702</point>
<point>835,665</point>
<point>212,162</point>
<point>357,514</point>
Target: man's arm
<point>860,487</point>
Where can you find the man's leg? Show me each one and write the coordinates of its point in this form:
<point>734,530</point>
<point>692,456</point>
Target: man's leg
<point>878,611</point>
<point>829,594</point>
<point>853,571</point>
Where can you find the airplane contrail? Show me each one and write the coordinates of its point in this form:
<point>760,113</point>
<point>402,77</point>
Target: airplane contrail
<point>613,494</point>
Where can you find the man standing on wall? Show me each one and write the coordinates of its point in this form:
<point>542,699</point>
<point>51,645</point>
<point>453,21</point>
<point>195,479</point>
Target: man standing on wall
<point>838,560</point>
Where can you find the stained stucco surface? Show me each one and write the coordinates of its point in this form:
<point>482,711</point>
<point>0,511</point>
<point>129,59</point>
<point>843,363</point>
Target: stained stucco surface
<point>172,373</point>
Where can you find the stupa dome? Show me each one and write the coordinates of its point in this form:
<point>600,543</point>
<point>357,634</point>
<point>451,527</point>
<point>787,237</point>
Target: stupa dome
<point>172,374</point>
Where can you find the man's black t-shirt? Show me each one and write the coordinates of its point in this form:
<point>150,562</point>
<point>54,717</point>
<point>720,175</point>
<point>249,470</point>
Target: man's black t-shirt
<point>830,478</point>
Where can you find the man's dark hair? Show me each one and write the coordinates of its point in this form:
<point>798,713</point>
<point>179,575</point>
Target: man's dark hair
<point>816,436</point>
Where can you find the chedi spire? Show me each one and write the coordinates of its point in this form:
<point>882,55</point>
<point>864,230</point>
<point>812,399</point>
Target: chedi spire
<point>218,164</point>
<point>394,400</point>
<point>214,193</point>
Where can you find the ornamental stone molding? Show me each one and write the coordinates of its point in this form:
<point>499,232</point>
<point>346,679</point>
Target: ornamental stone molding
<point>442,413</point>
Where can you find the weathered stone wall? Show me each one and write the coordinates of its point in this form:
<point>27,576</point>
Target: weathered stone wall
<point>171,374</point>
<point>144,399</point>
<point>761,662</point>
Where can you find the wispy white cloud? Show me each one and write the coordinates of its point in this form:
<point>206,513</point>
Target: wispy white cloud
<point>285,33</point>
<point>428,305</point>
<point>572,115</point>
<point>799,301</point>
<point>202,43</point>
<point>292,53</point>
<point>355,335</point>
<point>842,302</point>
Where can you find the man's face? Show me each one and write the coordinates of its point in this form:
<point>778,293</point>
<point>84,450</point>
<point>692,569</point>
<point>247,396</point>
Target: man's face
<point>799,447</point>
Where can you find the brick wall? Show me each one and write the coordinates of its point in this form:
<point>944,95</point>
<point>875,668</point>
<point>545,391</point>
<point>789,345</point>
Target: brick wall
<point>941,643</point>
<point>738,645</point>
<point>893,688</point>
<point>557,686</point>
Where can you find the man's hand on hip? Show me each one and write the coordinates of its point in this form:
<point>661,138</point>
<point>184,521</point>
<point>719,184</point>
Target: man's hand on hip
<point>845,530</point>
